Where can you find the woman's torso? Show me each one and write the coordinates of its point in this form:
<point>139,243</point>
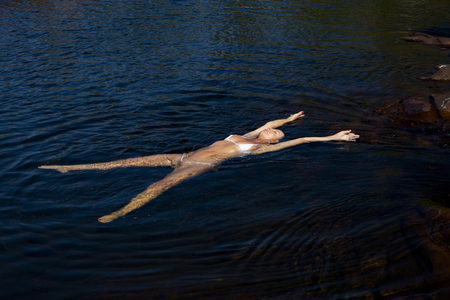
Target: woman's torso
<point>221,150</point>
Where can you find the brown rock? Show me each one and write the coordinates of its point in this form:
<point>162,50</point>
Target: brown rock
<point>428,39</point>
<point>442,104</point>
<point>439,73</point>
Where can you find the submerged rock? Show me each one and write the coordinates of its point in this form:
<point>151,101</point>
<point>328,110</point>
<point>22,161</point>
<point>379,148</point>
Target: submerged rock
<point>431,116</point>
<point>439,73</point>
<point>438,223</point>
<point>428,39</point>
<point>436,107</point>
<point>442,104</point>
<point>410,111</point>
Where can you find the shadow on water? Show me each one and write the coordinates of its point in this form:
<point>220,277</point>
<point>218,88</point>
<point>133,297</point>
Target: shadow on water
<point>86,82</point>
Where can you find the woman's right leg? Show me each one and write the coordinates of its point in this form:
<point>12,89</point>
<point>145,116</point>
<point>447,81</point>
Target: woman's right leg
<point>179,175</point>
<point>160,160</point>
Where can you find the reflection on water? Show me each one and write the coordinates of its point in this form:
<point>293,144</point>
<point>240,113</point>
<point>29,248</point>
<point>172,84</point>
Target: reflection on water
<point>94,81</point>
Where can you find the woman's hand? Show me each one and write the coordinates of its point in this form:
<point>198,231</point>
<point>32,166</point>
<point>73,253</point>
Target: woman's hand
<point>345,135</point>
<point>295,116</point>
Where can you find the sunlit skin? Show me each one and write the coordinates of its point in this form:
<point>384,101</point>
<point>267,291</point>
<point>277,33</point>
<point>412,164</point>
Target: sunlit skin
<point>264,139</point>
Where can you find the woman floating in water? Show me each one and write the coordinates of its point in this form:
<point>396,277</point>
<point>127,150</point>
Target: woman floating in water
<point>188,165</point>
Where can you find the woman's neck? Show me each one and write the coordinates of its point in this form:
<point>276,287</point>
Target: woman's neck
<point>262,141</point>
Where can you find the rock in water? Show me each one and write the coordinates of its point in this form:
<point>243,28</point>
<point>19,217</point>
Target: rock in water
<point>439,73</point>
<point>427,39</point>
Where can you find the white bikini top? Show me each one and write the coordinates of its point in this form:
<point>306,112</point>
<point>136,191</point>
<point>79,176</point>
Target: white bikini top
<point>245,148</point>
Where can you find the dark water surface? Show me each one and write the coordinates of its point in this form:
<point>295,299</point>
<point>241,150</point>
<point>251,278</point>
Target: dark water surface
<point>93,81</point>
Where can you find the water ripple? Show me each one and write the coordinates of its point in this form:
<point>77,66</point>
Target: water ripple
<point>86,82</point>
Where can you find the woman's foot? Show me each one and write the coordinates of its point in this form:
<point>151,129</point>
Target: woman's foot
<point>108,218</point>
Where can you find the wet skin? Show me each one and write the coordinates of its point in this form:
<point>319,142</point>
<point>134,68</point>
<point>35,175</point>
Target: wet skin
<point>264,139</point>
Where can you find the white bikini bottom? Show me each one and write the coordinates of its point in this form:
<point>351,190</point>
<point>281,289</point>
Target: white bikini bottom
<point>194,162</point>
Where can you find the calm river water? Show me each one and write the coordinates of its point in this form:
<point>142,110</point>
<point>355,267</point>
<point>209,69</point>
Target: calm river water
<point>87,81</point>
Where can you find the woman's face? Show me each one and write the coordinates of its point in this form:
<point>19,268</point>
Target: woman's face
<point>273,135</point>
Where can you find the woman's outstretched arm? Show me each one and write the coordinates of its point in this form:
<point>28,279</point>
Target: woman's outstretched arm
<point>273,124</point>
<point>345,135</point>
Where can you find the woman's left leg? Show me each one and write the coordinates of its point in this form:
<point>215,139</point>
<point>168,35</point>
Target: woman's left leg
<point>176,177</point>
<point>160,160</point>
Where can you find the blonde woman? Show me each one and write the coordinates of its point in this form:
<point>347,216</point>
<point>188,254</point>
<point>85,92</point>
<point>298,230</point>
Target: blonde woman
<point>264,139</point>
